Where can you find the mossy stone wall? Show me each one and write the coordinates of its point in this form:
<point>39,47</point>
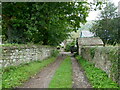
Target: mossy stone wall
<point>15,55</point>
<point>105,58</point>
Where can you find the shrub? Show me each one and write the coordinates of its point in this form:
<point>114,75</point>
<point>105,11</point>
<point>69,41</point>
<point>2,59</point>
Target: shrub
<point>55,53</point>
<point>92,52</point>
<point>68,46</point>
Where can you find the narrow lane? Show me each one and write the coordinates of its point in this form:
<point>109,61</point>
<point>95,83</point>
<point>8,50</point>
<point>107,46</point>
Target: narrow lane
<point>79,79</point>
<point>42,79</point>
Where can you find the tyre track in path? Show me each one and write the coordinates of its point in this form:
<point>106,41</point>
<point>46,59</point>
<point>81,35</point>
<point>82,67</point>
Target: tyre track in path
<point>79,78</point>
<point>42,79</point>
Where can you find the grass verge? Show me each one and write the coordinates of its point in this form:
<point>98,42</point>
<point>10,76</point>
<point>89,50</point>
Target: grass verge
<point>63,75</point>
<point>97,77</point>
<point>15,76</point>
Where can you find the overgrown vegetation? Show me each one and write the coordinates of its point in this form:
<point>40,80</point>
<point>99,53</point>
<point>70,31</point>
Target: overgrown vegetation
<point>63,75</point>
<point>14,76</point>
<point>97,77</point>
<point>114,58</point>
<point>55,53</point>
<point>92,52</point>
<point>69,45</point>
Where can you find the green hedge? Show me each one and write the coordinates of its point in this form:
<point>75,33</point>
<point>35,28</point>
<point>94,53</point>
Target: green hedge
<point>55,53</point>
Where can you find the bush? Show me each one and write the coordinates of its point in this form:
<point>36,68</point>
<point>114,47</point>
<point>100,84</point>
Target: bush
<point>68,46</point>
<point>55,53</point>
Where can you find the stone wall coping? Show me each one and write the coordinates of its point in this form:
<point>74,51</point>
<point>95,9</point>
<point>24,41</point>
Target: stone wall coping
<point>25,46</point>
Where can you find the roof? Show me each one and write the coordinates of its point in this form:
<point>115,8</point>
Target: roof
<point>119,8</point>
<point>86,33</point>
<point>90,41</point>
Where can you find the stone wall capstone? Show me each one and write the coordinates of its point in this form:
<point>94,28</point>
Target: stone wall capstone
<point>14,55</point>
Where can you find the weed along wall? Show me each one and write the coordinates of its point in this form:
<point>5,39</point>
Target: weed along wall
<point>105,58</point>
<point>15,55</point>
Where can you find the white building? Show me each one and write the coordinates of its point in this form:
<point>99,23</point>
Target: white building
<point>119,8</point>
<point>86,33</point>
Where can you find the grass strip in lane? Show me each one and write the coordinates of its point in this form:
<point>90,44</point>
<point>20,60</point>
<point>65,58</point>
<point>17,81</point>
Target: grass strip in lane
<point>97,77</point>
<point>63,75</point>
<point>15,76</point>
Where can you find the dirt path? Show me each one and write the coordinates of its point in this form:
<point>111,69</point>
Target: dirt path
<point>42,79</point>
<point>79,79</point>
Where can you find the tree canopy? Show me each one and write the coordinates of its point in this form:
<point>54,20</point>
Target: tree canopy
<point>47,23</point>
<point>108,25</point>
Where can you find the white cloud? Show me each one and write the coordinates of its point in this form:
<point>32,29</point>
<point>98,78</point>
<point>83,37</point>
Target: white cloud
<point>94,14</point>
<point>115,2</point>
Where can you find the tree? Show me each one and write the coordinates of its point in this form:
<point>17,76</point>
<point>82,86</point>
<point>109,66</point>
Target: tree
<point>108,25</point>
<point>42,22</point>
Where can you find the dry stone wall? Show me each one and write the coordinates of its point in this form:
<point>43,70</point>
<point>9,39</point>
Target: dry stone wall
<point>15,55</point>
<point>105,58</point>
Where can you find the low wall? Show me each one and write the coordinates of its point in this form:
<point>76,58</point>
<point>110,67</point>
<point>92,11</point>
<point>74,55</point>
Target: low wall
<point>105,58</point>
<point>15,55</point>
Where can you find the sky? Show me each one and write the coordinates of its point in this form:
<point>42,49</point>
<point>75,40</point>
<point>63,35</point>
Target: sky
<point>93,14</point>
